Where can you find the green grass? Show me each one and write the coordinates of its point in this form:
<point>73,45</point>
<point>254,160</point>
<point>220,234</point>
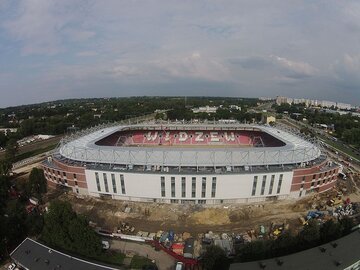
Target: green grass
<point>34,152</point>
<point>138,262</point>
<point>340,147</point>
<point>115,258</point>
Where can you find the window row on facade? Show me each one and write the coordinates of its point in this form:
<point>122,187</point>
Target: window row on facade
<point>59,173</point>
<point>183,187</point>
<point>323,174</point>
<point>271,190</point>
<point>113,183</point>
<point>59,179</point>
<point>320,182</point>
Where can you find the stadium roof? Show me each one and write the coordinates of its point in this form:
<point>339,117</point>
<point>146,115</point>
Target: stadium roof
<point>35,256</point>
<point>340,254</point>
<point>296,150</point>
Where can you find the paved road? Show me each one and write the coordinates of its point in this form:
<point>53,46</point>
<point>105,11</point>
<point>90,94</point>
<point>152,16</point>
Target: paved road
<point>163,260</point>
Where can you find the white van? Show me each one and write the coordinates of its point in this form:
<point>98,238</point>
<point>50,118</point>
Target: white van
<point>179,266</point>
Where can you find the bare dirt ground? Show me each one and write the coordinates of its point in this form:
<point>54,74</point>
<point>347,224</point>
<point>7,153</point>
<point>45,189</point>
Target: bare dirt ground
<point>152,217</point>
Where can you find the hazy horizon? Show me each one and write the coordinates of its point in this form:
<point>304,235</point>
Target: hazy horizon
<point>53,50</point>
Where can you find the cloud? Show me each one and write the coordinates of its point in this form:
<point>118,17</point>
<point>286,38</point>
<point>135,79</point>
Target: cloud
<point>347,70</point>
<point>194,65</point>
<point>254,62</point>
<point>79,35</point>
<point>287,70</point>
<point>293,69</point>
<point>86,53</point>
<point>242,48</point>
<point>41,26</point>
<point>120,71</point>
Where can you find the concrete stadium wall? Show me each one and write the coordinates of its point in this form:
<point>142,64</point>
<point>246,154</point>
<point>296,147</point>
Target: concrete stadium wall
<point>229,188</point>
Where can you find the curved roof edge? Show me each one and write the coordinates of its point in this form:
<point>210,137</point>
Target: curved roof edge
<point>84,149</point>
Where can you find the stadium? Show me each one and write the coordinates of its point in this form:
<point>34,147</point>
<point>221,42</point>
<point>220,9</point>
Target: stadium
<point>196,163</point>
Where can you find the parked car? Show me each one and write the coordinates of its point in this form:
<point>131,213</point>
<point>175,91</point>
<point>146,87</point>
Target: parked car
<point>105,244</point>
<point>12,266</point>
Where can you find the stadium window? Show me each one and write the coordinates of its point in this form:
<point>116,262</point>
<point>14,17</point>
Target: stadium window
<point>314,176</point>
<point>263,185</point>
<point>203,187</point>
<point>172,186</point>
<point>122,182</point>
<point>97,181</point>
<point>271,184</point>
<point>280,183</point>
<point>303,179</point>
<point>74,175</point>
<point>58,172</point>
<point>76,183</point>
<point>106,182</point>
<point>113,182</point>
<point>183,187</point>
<point>324,181</point>
<point>312,183</point>
<point>213,187</point>
<point>65,181</point>
<point>64,174</point>
<point>193,187</point>
<point>254,186</point>
<point>77,191</point>
<point>318,183</point>
<point>162,180</point>
<point>302,186</point>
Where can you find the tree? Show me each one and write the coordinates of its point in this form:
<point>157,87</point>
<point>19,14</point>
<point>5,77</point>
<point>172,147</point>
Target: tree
<point>310,235</point>
<point>330,231</point>
<point>63,228</point>
<point>286,243</point>
<point>215,258</point>
<point>34,223</point>
<point>15,223</point>
<point>5,167</point>
<point>27,127</point>
<point>37,183</point>
<point>11,150</point>
<point>346,225</point>
<point>4,190</point>
<point>3,139</point>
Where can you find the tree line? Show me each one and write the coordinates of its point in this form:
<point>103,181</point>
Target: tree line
<point>346,126</point>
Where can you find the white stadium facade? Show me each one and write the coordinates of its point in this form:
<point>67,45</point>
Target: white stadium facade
<point>190,163</point>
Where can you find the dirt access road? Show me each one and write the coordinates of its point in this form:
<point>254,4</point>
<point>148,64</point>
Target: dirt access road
<point>162,260</point>
<point>152,217</point>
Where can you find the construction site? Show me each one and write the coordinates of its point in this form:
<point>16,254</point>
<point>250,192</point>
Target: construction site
<point>185,230</point>
<point>223,225</point>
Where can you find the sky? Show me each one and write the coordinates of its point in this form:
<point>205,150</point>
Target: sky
<point>61,49</point>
